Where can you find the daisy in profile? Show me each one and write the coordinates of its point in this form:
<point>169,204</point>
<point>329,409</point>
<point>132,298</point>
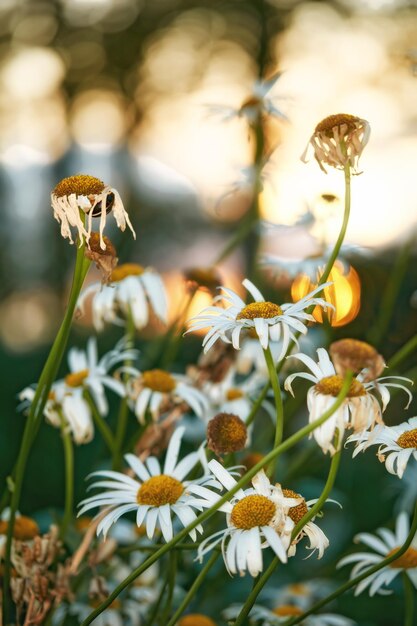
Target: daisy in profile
<point>83,195</point>
<point>87,373</point>
<point>155,495</point>
<point>131,290</point>
<point>397,444</point>
<point>337,140</point>
<point>384,544</point>
<point>318,540</point>
<point>256,518</point>
<point>360,410</point>
<point>280,614</point>
<point>270,322</point>
<point>157,391</point>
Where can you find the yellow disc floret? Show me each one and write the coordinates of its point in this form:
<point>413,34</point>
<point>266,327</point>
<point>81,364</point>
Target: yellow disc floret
<point>196,619</point>
<point>296,513</point>
<point>126,269</point>
<point>25,528</point>
<point>159,380</point>
<point>287,610</point>
<point>160,490</point>
<point>234,394</point>
<point>408,439</point>
<point>251,511</point>
<point>408,560</point>
<point>80,185</point>
<point>332,386</point>
<point>76,379</point>
<point>254,310</point>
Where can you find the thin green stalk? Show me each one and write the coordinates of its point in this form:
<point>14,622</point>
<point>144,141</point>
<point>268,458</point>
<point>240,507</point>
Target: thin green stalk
<point>172,573</point>
<point>34,417</point>
<point>123,415</point>
<point>155,610</point>
<point>194,588</point>
<point>409,593</point>
<point>261,582</point>
<point>405,351</point>
<point>283,447</point>
<point>69,477</point>
<point>355,581</point>
<point>99,421</point>
<point>279,409</point>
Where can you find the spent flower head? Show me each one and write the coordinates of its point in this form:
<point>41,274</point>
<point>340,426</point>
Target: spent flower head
<point>77,199</point>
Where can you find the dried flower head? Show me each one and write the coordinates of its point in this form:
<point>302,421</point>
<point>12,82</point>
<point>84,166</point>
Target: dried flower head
<point>207,278</point>
<point>358,357</point>
<point>104,258</point>
<point>339,140</point>
<point>77,199</point>
<point>226,433</point>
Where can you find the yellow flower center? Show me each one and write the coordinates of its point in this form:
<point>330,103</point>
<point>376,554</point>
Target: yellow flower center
<point>332,386</point>
<point>83,523</point>
<point>77,378</point>
<point>196,619</point>
<point>298,589</point>
<point>408,439</point>
<point>160,490</point>
<point>340,119</point>
<point>25,528</point>
<point>266,310</point>
<point>206,277</point>
<point>226,433</point>
<point>81,185</point>
<point>252,511</point>
<point>126,269</point>
<point>286,610</point>
<point>408,560</point>
<point>158,380</point>
<point>252,459</point>
<point>234,394</point>
<point>296,512</point>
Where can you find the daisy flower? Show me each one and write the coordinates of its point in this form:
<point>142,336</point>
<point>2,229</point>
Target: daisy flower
<point>132,290</point>
<point>360,410</point>
<point>156,390</point>
<point>84,195</point>
<point>318,540</point>
<point>87,373</point>
<point>155,495</point>
<point>282,613</point>
<point>397,444</point>
<point>384,544</point>
<point>337,140</point>
<point>258,103</point>
<point>256,518</point>
<point>270,321</point>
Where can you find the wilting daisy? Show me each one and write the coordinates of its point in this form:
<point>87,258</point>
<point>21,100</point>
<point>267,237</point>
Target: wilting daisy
<point>156,494</point>
<point>270,321</point>
<point>384,544</point>
<point>66,400</point>
<point>360,410</point>
<point>258,103</point>
<point>318,540</point>
<point>337,140</point>
<point>132,290</point>
<point>397,444</point>
<point>283,612</point>
<point>157,390</point>
<point>256,518</point>
<point>84,195</point>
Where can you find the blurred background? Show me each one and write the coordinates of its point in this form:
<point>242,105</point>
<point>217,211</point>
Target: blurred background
<point>147,95</point>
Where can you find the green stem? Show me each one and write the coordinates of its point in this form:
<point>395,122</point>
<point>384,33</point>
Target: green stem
<point>69,477</point>
<point>283,447</point>
<point>279,409</point>
<point>172,573</point>
<point>123,415</point>
<point>99,421</point>
<point>34,417</point>
<point>334,466</point>
<point>194,588</point>
<point>409,593</point>
<point>354,581</point>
